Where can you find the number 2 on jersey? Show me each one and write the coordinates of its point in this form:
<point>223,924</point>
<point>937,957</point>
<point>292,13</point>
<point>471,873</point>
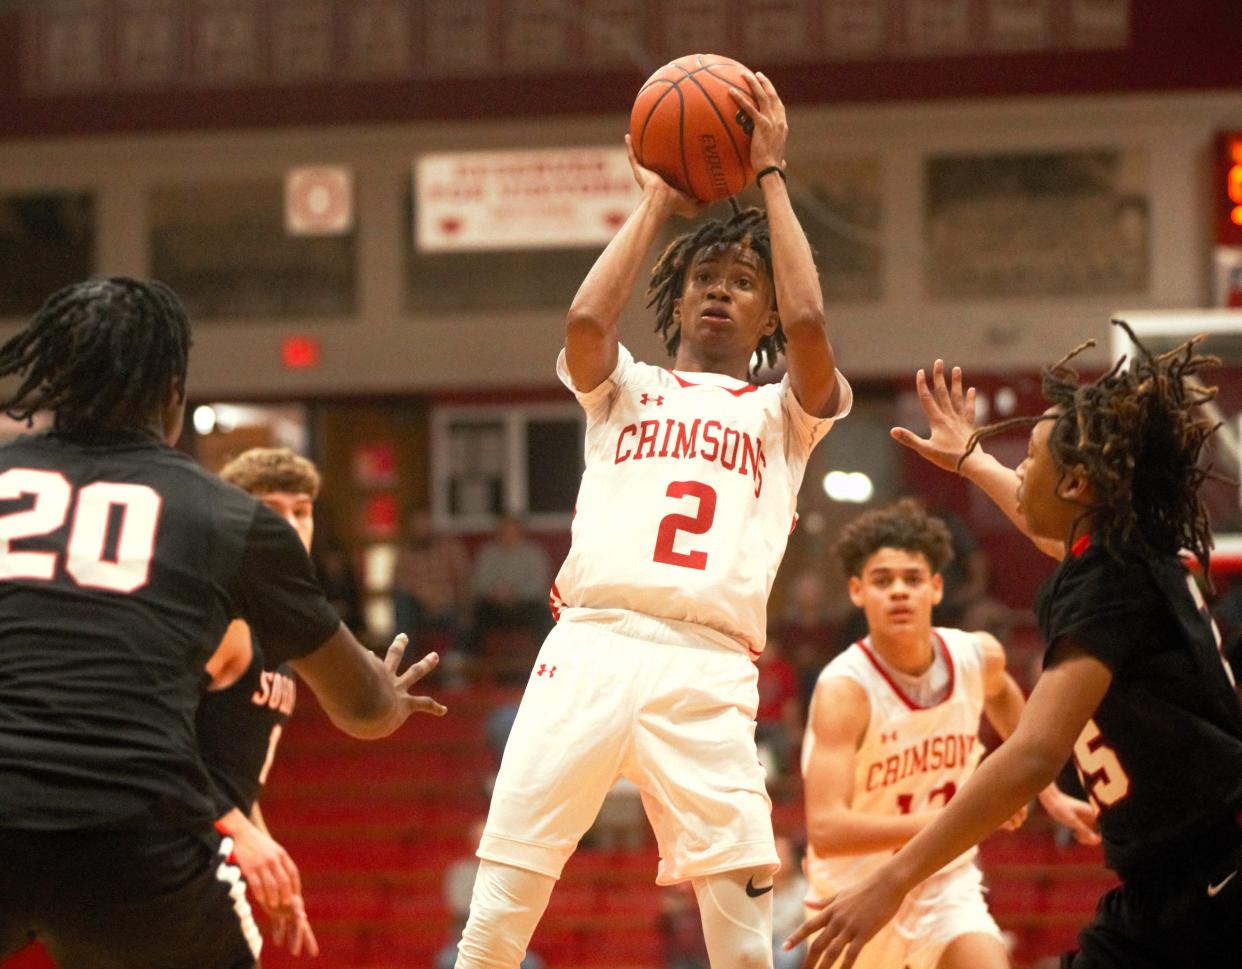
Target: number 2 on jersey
<point>139,508</point>
<point>697,524</point>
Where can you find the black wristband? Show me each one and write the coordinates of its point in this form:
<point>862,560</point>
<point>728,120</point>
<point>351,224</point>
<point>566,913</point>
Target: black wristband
<point>768,171</point>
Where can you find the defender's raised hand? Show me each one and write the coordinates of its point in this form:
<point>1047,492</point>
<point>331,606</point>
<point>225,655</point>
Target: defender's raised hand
<point>950,413</point>
<point>767,112</point>
<point>403,681</point>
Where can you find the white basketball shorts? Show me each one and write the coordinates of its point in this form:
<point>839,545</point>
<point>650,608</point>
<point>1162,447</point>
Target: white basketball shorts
<point>657,702</point>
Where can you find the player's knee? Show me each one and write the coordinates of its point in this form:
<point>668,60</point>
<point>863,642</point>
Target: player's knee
<point>753,952</point>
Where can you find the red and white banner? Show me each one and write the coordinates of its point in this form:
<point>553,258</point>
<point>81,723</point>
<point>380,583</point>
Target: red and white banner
<point>543,199</point>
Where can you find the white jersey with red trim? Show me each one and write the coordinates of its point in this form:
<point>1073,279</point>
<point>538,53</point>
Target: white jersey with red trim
<point>911,758</point>
<point>688,497</point>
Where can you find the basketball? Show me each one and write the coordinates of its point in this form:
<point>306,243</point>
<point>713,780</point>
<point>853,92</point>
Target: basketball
<point>687,128</point>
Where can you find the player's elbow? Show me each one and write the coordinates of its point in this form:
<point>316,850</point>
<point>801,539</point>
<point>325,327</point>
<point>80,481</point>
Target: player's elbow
<point>1034,763</point>
<point>584,323</point>
<point>824,829</point>
<point>804,320</point>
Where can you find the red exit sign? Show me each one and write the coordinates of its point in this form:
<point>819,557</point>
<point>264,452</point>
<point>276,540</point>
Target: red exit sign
<point>1227,192</point>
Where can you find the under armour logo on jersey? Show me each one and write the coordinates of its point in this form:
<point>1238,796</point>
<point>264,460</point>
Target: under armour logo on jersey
<point>648,399</point>
<point>888,737</point>
<point>545,668</point>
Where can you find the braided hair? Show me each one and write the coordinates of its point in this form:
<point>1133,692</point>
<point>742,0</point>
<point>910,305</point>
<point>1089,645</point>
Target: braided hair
<point>1137,434</point>
<point>101,354</point>
<point>747,228</point>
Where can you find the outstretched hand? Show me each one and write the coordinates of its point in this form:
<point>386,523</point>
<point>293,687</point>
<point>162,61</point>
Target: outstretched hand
<point>846,923</point>
<point>767,113</point>
<point>401,682</point>
<point>950,413</point>
<point>678,203</point>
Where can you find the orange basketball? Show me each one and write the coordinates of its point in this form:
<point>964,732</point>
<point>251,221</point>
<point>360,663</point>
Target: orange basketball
<point>688,129</point>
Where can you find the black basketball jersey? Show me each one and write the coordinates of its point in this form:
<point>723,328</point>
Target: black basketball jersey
<point>240,726</point>
<point>1162,755</point>
<point>121,564</point>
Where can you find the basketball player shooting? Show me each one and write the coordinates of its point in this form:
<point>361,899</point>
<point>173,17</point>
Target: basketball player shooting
<point>686,502</point>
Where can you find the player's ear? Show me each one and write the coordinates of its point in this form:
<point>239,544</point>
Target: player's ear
<point>856,591</point>
<point>937,584</point>
<point>771,323</point>
<point>677,310</point>
<point>1075,486</point>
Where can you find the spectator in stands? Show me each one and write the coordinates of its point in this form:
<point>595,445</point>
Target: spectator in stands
<point>458,887</point>
<point>788,904</point>
<point>431,587</point>
<point>778,718</point>
<point>511,583</point>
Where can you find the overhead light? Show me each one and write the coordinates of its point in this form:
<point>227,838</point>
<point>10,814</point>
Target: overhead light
<point>852,487</point>
<point>204,419</point>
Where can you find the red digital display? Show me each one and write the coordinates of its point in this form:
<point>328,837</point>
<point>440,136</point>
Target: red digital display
<point>1228,188</point>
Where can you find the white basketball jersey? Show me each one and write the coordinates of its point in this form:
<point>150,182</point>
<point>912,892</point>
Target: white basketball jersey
<point>688,497</point>
<point>912,758</point>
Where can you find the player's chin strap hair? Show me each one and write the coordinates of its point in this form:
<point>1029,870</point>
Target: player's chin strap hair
<point>745,227</point>
<point>1137,435</point>
<point>100,353</point>
<point>736,909</point>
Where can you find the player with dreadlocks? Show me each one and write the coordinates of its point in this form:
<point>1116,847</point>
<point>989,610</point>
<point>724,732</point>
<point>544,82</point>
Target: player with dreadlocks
<point>121,565</point>
<point>1134,686</point>
<point>689,492</point>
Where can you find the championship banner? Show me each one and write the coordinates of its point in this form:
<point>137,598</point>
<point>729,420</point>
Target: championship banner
<point>542,199</point>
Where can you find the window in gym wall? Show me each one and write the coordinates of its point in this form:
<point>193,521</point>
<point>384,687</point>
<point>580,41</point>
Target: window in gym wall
<point>224,247</point>
<point>47,240</point>
<point>839,205</point>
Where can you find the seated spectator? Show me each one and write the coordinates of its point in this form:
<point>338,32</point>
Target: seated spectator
<point>621,823</point>
<point>512,577</point>
<point>431,590</point>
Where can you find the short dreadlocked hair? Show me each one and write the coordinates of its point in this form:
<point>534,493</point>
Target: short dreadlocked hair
<point>747,228</point>
<point>903,525</point>
<point>101,354</point>
<point>1137,434</point>
<point>262,470</point>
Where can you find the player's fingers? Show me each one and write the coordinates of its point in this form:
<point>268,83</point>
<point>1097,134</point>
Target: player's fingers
<point>768,87</point>
<point>955,390</point>
<point>425,704</point>
<point>746,102</point>
<point>851,955</point>
<point>909,439</point>
<point>264,889</point>
<point>939,388</point>
<point>392,659</point>
<point>279,923</point>
<point>418,670</point>
<point>282,883</point>
<point>308,936</point>
<point>924,392</point>
<point>968,411</point>
<point>294,876</point>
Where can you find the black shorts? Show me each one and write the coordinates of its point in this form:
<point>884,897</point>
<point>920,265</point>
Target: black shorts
<point>1189,920</point>
<point>125,900</point>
